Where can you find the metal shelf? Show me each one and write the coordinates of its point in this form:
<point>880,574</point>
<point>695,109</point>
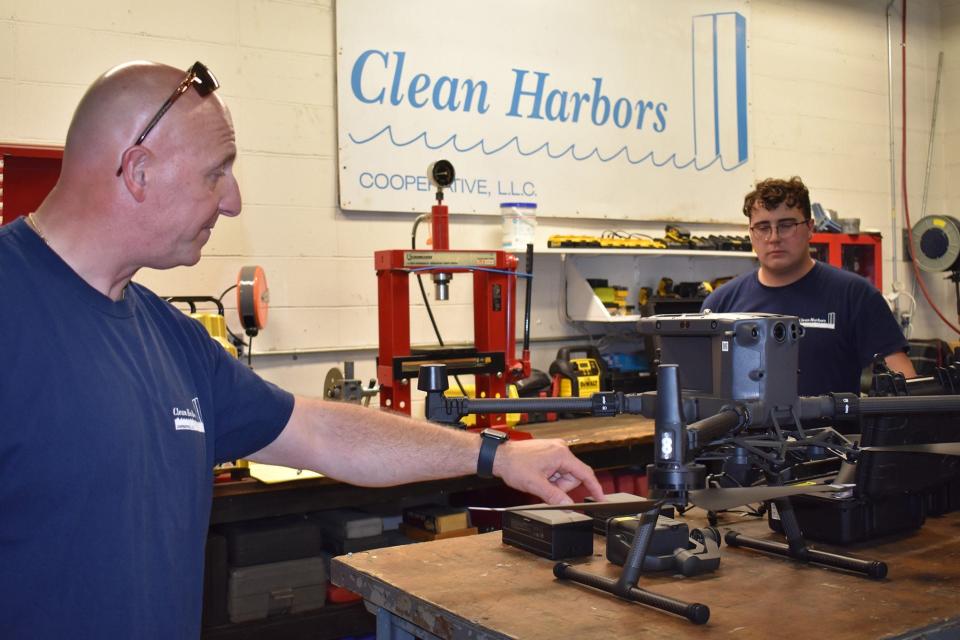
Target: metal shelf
<point>650,252</point>
<point>583,305</point>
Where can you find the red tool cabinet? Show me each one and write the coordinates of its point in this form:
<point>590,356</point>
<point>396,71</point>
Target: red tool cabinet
<point>860,253</point>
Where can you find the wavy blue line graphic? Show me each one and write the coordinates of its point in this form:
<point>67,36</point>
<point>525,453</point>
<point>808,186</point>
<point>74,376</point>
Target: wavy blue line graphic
<point>514,142</point>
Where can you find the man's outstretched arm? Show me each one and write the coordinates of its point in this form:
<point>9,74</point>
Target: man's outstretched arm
<point>373,448</point>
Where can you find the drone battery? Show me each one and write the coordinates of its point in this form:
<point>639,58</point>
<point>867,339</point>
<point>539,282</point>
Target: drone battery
<point>835,520</point>
<point>551,534</point>
<point>668,535</point>
<point>601,521</point>
<point>673,547</point>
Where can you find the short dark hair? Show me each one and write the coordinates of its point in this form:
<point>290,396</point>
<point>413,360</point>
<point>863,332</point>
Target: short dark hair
<point>773,192</point>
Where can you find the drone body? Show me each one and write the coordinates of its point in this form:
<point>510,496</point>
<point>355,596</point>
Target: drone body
<point>730,429</point>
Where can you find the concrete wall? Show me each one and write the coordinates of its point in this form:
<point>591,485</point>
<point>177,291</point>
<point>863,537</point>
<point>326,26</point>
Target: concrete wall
<point>950,103</point>
<point>818,85</point>
<point>944,189</point>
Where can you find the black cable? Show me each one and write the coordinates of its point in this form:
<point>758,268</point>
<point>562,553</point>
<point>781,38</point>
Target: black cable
<point>226,291</point>
<point>236,338</point>
<point>423,294</point>
<point>423,291</point>
<point>250,353</point>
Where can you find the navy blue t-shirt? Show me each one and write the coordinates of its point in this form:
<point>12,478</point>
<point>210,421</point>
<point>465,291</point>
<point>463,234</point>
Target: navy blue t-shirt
<point>845,319</point>
<point>113,416</point>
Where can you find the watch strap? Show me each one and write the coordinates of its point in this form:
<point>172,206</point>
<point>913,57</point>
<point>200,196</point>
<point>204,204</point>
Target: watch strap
<point>490,442</point>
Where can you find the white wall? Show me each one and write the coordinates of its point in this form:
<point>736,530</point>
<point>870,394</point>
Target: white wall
<point>817,83</point>
<point>944,195</point>
<point>950,105</point>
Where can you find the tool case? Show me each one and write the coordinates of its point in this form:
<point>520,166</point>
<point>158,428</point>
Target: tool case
<point>944,499</point>
<point>215,579</point>
<point>340,546</point>
<point>293,586</point>
<point>345,524</point>
<point>846,520</point>
<point>268,540</point>
<point>390,515</point>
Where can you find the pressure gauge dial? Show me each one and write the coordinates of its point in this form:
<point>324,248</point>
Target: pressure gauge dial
<point>441,173</point>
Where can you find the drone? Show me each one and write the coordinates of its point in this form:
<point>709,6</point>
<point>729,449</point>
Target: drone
<point>724,429</point>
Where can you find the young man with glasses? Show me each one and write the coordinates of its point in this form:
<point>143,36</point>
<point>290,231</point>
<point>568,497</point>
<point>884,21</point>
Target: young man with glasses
<point>116,406</point>
<point>846,320</point>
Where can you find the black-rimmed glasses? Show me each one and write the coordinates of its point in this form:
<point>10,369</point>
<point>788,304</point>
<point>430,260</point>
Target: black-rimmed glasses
<point>198,77</point>
<point>785,228</point>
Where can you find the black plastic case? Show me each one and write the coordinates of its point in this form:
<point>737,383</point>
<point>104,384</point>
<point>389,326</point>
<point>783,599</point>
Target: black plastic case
<point>278,588</point>
<point>551,534</point>
<point>854,519</point>
<point>215,575</point>
<point>944,499</point>
<point>339,546</point>
<point>271,540</point>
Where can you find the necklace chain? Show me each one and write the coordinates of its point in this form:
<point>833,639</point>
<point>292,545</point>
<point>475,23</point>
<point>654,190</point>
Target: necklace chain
<point>35,226</point>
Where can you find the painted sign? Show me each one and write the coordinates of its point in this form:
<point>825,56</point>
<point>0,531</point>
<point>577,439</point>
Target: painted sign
<point>613,109</point>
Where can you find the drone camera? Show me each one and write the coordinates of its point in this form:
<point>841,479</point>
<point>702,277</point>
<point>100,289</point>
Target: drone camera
<point>754,359</point>
<point>779,332</point>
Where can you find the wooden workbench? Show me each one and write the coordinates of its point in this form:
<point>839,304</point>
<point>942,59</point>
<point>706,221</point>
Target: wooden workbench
<point>478,588</point>
<point>600,442</point>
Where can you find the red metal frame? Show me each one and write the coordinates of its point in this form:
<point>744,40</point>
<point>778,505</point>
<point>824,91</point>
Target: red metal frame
<point>494,318</point>
<point>861,253</point>
<point>28,151</point>
<point>440,227</point>
<point>34,171</point>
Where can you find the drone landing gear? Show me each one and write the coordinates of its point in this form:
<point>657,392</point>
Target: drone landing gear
<point>797,549</point>
<point>626,586</point>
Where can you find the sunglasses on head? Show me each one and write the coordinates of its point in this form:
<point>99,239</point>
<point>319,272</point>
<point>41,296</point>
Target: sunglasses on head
<point>198,77</point>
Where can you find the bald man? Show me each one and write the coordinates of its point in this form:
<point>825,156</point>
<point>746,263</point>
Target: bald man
<point>116,406</point>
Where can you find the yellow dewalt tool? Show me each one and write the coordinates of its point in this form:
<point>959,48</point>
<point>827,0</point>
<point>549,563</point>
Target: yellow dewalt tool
<point>577,377</point>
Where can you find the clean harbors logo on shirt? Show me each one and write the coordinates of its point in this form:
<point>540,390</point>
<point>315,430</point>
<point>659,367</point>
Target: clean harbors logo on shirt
<point>830,322</point>
<point>188,419</point>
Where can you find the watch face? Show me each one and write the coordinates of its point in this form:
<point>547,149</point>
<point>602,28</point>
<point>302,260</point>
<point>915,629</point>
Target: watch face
<point>494,434</point>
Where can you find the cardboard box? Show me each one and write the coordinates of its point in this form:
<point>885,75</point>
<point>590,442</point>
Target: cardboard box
<point>437,518</point>
<point>422,535</point>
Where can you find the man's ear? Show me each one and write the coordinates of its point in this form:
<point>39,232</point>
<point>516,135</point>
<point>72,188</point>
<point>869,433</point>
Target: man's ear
<point>134,163</point>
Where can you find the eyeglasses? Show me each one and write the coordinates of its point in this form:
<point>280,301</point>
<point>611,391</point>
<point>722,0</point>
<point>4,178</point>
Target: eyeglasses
<point>785,228</point>
<point>198,77</point>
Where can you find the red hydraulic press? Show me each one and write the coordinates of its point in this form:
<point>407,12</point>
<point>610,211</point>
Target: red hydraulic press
<point>491,359</point>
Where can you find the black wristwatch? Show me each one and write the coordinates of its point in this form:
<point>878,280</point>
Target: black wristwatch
<point>490,440</point>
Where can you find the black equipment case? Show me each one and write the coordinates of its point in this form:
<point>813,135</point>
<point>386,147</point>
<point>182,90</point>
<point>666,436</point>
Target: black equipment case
<point>264,590</point>
<point>270,540</point>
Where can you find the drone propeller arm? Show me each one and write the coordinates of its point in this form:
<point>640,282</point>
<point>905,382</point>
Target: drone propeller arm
<point>703,432</point>
<point>433,380</point>
<point>909,404</point>
<point>850,406</point>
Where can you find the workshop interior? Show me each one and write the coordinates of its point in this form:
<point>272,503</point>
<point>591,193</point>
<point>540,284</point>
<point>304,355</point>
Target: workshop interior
<point>505,218</point>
